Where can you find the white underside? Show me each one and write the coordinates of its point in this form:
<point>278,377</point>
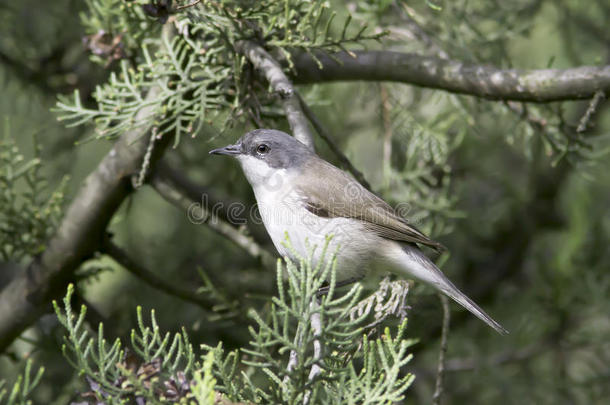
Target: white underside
<point>284,215</point>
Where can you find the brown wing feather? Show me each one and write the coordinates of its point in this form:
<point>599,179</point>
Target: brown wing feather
<point>338,195</point>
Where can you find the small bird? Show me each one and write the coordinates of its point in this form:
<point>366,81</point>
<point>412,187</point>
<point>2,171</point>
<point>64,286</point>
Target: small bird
<point>305,197</point>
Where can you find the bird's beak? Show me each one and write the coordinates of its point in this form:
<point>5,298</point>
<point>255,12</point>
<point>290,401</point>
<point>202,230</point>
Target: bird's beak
<point>231,150</point>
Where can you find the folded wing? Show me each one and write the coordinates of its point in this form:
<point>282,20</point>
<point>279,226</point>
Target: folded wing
<point>341,196</point>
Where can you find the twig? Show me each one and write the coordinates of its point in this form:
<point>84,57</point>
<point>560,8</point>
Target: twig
<point>316,327</point>
<point>150,278</point>
<point>139,180</point>
<point>387,129</point>
<point>440,372</point>
<point>227,209</point>
<point>293,360</point>
<point>325,289</point>
<point>172,193</point>
<point>537,85</point>
<point>188,5</point>
<point>537,123</point>
<point>344,161</point>
<point>293,357</point>
<point>584,121</point>
<point>281,85</point>
<point>418,32</point>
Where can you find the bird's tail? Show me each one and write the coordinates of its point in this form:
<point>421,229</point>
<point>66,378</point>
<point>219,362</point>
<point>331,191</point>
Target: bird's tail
<point>419,266</point>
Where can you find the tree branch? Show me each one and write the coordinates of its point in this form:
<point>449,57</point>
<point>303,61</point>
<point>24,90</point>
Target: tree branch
<point>440,373</point>
<point>584,121</point>
<point>79,234</point>
<point>150,278</point>
<point>167,174</point>
<point>316,327</point>
<point>343,160</point>
<point>542,85</point>
<point>175,193</point>
<point>282,86</point>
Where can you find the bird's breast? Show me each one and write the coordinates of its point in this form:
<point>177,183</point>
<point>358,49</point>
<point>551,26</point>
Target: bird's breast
<point>285,216</point>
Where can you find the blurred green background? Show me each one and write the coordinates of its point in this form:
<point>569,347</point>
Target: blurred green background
<point>528,231</point>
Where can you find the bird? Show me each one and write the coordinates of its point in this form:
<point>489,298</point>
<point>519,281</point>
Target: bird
<point>304,198</point>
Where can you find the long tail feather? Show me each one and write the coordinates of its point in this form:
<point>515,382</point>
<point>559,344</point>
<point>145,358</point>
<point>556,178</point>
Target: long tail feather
<point>416,264</point>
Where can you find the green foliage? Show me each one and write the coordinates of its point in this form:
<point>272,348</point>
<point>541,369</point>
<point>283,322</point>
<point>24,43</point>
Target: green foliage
<point>155,369</point>
<point>307,347</point>
<point>29,212</point>
<point>196,67</point>
<point>312,348</point>
<point>181,71</point>
<point>116,19</point>
<point>22,388</point>
<point>420,148</point>
<point>530,233</point>
<point>204,385</point>
<point>489,35</point>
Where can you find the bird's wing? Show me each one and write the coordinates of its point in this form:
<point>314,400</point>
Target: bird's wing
<point>338,195</point>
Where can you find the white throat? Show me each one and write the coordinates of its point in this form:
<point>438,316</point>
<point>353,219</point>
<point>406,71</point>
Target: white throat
<point>261,176</point>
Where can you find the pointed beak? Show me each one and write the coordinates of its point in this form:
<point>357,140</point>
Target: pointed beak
<point>231,150</point>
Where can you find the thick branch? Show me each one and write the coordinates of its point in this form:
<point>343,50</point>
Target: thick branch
<point>282,86</point>
<point>78,236</point>
<point>542,85</point>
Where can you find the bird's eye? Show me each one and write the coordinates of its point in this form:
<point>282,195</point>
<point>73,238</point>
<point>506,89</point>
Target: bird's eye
<point>262,148</point>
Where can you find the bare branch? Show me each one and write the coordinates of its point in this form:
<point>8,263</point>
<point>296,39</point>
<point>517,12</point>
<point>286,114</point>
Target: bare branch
<point>316,327</point>
<point>174,193</point>
<point>387,129</point>
<point>293,361</point>
<point>166,173</point>
<point>282,86</point>
<point>440,372</point>
<point>150,278</point>
<point>584,121</point>
<point>138,180</point>
<point>542,85</point>
<point>344,161</point>
<point>79,234</point>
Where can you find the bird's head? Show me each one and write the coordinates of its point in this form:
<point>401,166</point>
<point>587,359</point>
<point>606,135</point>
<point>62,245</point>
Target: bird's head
<point>263,153</point>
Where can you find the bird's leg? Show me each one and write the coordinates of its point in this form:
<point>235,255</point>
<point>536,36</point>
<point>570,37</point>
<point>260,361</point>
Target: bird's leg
<point>324,290</point>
